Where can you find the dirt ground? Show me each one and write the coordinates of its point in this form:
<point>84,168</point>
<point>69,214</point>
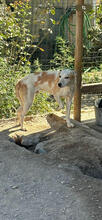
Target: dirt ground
<point>61,181</point>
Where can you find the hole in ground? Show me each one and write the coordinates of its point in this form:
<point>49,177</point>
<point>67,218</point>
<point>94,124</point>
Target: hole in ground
<point>91,170</point>
<point>33,144</point>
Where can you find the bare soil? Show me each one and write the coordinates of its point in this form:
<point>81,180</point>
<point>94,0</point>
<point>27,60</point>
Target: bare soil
<point>63,182</point>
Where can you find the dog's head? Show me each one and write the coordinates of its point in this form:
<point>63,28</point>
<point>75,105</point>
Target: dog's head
<point>66,77</point>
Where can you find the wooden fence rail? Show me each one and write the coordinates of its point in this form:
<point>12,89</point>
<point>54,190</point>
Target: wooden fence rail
<point>93,88</point>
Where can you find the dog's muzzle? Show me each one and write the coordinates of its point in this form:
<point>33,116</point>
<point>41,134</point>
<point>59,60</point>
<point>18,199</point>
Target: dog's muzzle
<point>60,85</point>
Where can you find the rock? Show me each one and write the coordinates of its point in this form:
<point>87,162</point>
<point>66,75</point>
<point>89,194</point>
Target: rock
<point>39,148</point>
<point>29,141</point>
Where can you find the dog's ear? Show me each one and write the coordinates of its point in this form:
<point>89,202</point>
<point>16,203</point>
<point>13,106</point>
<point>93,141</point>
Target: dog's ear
<point>72,74</point>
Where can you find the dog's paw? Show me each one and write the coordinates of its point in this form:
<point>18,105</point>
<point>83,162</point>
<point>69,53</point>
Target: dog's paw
<point>23,129</point>
<point>70,125</point>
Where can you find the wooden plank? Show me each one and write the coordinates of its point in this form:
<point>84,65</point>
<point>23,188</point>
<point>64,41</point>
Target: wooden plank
<point>93,88</point>
<point>78,59</point>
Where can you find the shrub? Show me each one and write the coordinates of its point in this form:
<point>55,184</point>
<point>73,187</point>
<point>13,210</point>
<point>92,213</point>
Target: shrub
<point>15,39</point>
<point>8,78</point>
<point>63,56</point>
<point>16,43</point>
<point>92,76</point>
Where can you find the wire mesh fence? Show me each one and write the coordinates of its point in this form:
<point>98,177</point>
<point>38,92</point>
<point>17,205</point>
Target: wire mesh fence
<point>53,56</point>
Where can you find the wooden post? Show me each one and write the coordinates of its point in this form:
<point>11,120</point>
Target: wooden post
<point>78,58</point>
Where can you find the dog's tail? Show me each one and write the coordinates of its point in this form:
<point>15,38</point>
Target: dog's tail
<point>21,91</point>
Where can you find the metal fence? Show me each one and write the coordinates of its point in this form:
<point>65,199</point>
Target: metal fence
<point>92,56</point>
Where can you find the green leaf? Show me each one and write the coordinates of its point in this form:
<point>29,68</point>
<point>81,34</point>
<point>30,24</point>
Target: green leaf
<point>53,11</point>
<point>53,21</point>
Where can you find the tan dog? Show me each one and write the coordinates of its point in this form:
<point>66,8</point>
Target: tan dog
<point>58,83</point>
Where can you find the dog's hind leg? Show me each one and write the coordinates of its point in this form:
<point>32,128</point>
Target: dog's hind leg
<point>19,112</point>
<point>24,112</point>
<point>26,105</point>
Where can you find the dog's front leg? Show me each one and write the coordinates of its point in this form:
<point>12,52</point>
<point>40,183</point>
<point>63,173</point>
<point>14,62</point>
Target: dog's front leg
<point>59,101</point>
<point>68,107</point>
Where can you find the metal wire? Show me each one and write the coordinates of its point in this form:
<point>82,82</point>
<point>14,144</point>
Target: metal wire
<point>92,58</point>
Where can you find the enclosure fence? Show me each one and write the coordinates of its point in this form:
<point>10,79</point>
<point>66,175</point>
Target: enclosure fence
<point>65,25</point>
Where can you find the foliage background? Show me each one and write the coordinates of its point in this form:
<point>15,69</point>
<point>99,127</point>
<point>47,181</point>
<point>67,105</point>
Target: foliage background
<point>16,44</point>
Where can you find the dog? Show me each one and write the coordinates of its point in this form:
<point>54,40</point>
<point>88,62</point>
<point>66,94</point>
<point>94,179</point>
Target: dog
<point>57,83</point>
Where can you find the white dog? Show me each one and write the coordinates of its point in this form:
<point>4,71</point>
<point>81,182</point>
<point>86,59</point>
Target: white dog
<point>58,83</point>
